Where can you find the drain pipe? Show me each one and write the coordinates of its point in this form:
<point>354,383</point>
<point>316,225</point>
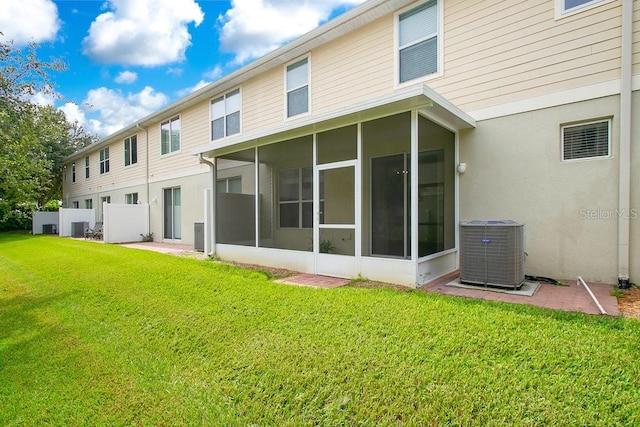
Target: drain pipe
<point>210,220</point>
<point>146,177</point>
<point>593,297</point>
<point>624,191</point>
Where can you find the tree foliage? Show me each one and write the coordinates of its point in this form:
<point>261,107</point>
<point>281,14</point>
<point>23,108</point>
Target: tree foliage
<point>34,139</point>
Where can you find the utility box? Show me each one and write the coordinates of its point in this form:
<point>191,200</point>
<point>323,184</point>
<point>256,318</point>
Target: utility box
<point>198,236</point>
<point>49,229</point>
<point>492,253</point>
<point>78,228</point>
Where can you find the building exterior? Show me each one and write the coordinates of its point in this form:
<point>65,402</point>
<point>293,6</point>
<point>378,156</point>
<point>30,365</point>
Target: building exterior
<point>358,148</point>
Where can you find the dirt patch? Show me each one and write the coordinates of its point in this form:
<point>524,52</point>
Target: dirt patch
<point>629,303</point>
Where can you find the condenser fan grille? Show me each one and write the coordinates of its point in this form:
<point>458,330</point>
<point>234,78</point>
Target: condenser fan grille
<point>492,253</point>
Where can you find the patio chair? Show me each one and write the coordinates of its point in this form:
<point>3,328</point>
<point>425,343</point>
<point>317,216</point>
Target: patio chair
<point>94,233</point>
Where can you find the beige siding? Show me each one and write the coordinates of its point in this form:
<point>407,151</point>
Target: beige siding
<point>354,68</point>
<point>194,132</point>
<point>636,37</point>
<point>514,50</point>
<point>263,101</point>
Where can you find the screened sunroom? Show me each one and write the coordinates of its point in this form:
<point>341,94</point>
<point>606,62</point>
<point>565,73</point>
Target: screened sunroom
<point>374,197</point>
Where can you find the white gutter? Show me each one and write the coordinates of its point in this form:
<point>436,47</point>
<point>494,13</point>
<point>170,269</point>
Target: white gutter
<point>146,175</point>
<point>624,187</point>
<point>593,297</point>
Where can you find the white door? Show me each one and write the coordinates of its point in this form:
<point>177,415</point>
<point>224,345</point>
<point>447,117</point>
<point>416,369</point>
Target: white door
<point>334,239</point>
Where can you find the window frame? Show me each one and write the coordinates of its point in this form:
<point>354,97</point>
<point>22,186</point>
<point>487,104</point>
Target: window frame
<point>561,11</point>
<point>227,184</point>
<point>300,201</point>
<point>130,150</point>
<point>131,198</point>
<point>226,115</point>
<point>86,167</point>
<point>176,118</point>
<point>88,203</point>
<point>564,126</point>
<point>288,90</point>
<point>439,43</point>
<point>73,172</point>
<point>104,160</point>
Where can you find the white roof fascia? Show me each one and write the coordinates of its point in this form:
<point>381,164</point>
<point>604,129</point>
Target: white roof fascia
<point>419,97</point>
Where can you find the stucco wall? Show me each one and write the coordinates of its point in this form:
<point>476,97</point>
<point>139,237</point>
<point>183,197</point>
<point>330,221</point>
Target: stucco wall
<point>514,171</point>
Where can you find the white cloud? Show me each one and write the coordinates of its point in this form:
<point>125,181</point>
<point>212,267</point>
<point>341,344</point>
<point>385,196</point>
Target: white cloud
<point>43,99</point>
<point>74,113</point>
<point>105,111</point>
<point>252,28</point>
<point>215,73</point>
<point>189,90</point>
<point>25,21</point>
<point>142,32</point>
<point>126,77</point>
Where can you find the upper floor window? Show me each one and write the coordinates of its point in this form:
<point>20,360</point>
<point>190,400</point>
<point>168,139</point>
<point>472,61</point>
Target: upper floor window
<point>225,115</point>
<point>418,41</point>
<point>86,167</point>
<point>73,172</point>
<point>298,87</point>
<point>104,160</point>
<point>131,150</point>
<point>586,140</point>
<point>572,5</point>
<point>170,136</point>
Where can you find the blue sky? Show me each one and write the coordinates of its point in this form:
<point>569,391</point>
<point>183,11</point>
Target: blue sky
<point>129,58</point>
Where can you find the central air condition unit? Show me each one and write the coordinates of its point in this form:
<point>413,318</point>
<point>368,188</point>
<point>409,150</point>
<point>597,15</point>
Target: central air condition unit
<point>492,253</point>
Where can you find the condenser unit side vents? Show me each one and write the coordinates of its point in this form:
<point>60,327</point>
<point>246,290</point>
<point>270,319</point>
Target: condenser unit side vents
<point>492,253</point>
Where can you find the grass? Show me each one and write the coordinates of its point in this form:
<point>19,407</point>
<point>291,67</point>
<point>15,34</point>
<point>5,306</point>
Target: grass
<point>94,334</point>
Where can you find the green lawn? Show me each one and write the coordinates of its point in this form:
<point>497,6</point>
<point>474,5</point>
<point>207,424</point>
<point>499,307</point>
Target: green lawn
<point>94,334</point>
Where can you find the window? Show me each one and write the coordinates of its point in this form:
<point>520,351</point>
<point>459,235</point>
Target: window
<point>105,199</point>
<point>230,185</point>
<point>73,172</point>
<point>86,167</point>
<point>131,198</point>
<point>170,136</point>
<point>104,160</point>
<point>298,88</point>
<point>295,196</point>
<point>586,140</point>
<point>573,5</point>
<point>88,203</point>
<point>418,42</point>
<point>131,150</point>
<point>75,205</point>
<point>225,115</point>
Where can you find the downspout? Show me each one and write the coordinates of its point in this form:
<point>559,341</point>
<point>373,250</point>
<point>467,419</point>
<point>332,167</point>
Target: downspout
<point>146,176</point>
<point>211,219</point>
<point>624,187</point>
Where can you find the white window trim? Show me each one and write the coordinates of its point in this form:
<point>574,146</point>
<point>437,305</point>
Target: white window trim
<point>224,95</point>
<point>396,46</point>
<point>583,159</point>
<point>87,167</point>
<point>107,161</point>
<point>124,144</point>
<point>170,119</point>
<point>298,202</point>
<point>561,13</point>
<point>286,105</point>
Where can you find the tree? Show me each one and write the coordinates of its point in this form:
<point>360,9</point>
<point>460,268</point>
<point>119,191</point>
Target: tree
<point>33,139</point>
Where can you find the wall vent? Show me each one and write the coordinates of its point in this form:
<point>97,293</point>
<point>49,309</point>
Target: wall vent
<point>492,253</point>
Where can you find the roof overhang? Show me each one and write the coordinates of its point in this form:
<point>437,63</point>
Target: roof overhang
<point>421,98</point>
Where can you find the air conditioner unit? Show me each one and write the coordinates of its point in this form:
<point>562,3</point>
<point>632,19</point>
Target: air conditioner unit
<point>492,253</point>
